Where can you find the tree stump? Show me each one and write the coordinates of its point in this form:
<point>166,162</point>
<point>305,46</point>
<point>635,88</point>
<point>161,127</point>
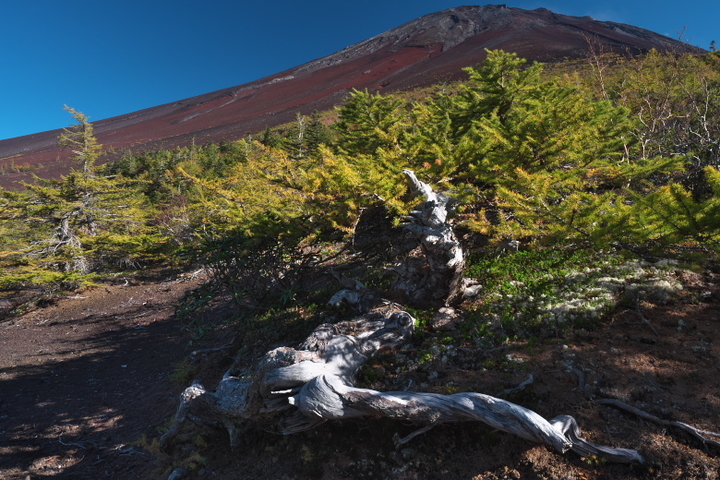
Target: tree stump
<point>432,276</point>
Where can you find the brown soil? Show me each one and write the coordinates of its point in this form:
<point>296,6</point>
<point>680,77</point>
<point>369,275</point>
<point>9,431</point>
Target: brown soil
<point>85,384</point>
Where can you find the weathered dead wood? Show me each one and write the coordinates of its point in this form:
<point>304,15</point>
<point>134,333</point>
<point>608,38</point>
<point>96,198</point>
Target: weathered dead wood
<point>291,390</point>
<point>521,387</point>
<point>259,396</point>
<point>195,353</point>
<point>696,433</point>
<point>328,398</point>
<point>435,277</point>
<point>294,390</point>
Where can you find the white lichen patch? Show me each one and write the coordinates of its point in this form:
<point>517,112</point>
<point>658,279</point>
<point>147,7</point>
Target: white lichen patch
<point>589,293</point>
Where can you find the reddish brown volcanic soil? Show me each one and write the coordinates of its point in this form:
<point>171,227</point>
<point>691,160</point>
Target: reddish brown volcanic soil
<point>419,53</point>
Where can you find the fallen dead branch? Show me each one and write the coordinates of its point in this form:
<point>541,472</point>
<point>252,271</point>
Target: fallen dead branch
<point>194,354</point>
<point>295,390</point>
<point>696,433</point>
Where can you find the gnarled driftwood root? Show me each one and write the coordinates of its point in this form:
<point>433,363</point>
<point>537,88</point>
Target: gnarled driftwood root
<point>295,390</point>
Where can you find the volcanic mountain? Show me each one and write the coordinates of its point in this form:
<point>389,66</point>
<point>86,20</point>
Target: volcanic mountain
<point>424,51</point>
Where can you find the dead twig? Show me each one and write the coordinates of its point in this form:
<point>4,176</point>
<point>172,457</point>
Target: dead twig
<point>70,444</point>
<point>520,387</point>
<point>638,312</point>
<point>211,350</point>
<point>402,441</point>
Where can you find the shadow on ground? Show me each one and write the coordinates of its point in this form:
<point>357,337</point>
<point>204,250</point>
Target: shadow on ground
<point>82,381</point>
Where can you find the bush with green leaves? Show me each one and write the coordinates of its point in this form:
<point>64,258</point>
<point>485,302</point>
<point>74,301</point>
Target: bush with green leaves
<point>540,159</point>
<point>550,161</point>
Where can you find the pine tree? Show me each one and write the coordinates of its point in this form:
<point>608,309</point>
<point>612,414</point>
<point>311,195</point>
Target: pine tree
<point>672,216</point>
<point>80,139</point>
<point>92,222</point>
<point>368,122</point>
<point>316,134</point>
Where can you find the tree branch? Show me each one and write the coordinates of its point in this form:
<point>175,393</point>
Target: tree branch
<point>694,432</point>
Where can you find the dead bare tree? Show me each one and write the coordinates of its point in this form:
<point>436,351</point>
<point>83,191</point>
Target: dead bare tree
<point>291,390</point>
<point>432,276</point>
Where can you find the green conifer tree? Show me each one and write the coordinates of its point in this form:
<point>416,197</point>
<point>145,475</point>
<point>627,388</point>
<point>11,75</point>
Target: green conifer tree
<point>91,222</point>
<point>368,122</point>
<point>316,134</point>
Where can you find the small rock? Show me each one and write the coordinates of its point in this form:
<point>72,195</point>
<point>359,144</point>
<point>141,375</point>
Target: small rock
<point>445,319</point>
<point>471,288</point>
<point>349,297</point>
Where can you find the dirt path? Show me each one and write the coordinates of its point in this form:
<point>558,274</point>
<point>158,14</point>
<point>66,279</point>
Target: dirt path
<point>84,378</point>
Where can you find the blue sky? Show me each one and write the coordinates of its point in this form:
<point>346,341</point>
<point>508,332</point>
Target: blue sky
<point>108,58</point>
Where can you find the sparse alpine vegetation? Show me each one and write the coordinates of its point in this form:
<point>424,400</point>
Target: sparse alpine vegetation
<point>573,194</point>
<point>540,294</point>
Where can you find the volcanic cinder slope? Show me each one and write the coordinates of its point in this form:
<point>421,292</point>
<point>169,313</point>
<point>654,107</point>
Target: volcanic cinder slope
<point>422,52</point>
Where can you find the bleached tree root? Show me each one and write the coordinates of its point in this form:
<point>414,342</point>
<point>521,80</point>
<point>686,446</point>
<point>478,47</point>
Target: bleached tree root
<point>295,390</point>
<point>327,398</point>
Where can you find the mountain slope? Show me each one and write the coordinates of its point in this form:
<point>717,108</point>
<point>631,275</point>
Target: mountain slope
<point>418,53</point>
